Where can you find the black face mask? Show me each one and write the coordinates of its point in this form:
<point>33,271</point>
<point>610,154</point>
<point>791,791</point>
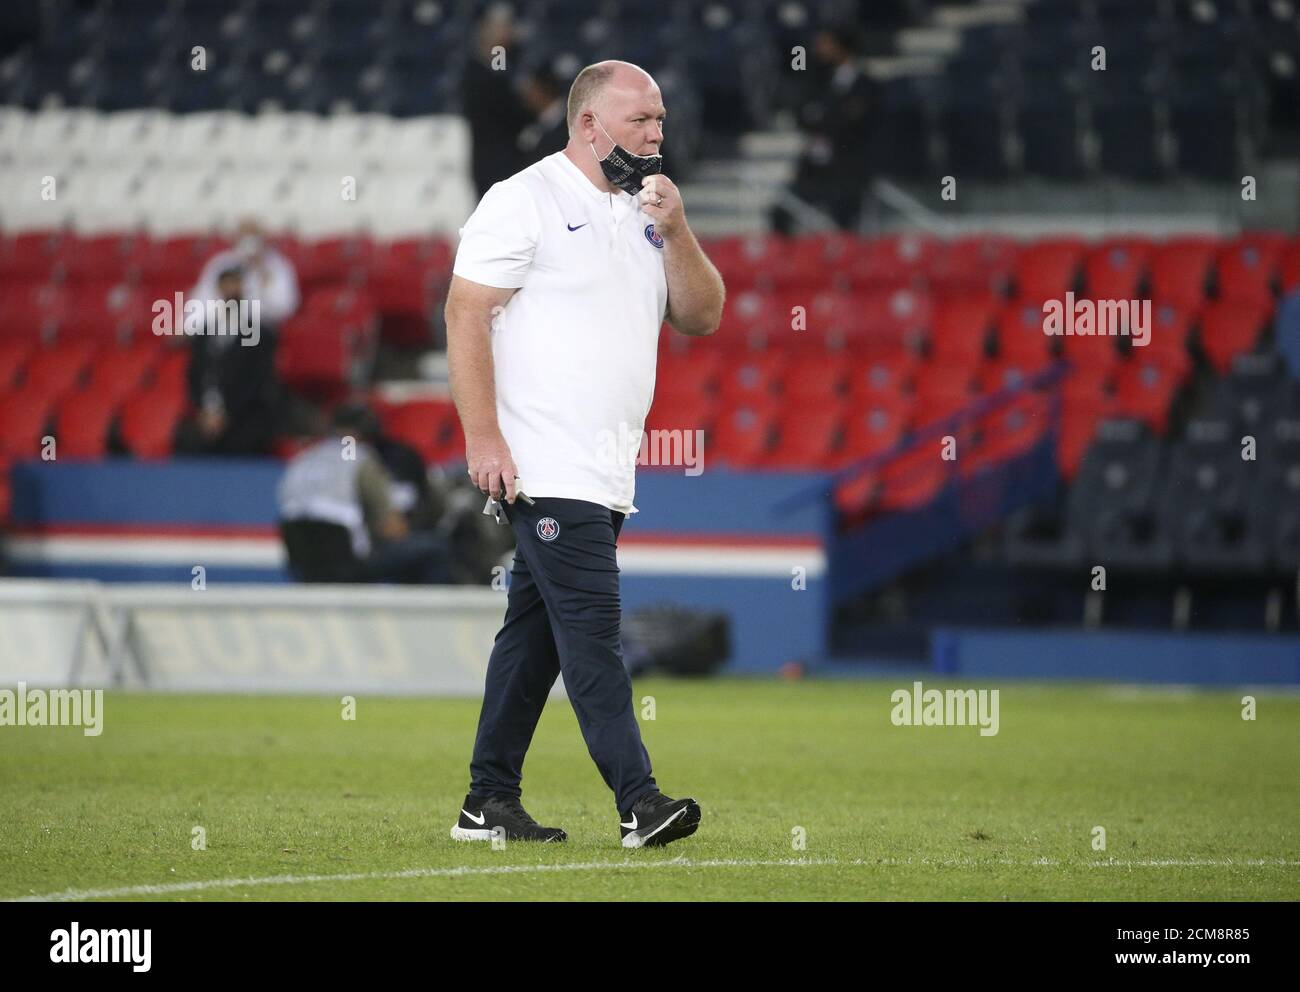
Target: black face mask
<point>625,170</point>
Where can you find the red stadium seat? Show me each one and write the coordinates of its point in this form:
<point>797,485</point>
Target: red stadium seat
<point>1048,269</point>
<point>807,435</point>
<point>960,329</point>
<point>148,420</point>
<point>112,257</point>
<point>1006,374</point>
<point>13,358</point>
<point>874,427</point>
<point>982,263</point>
<point>30,257</point>
<point>175,263</point>
<point>172,371</point>
<point>690,374</point>
<point>1114,270</point>
<point>682,411</point>
<point>871,322</point>
<point>57,370</point>
<point>815,376</point>
<point>742,435</point>
<point>83,423</point>
<point>1230,328</point>
<point>1171,325</point>
<point>118,372</point>
<point>889,373</point>
<point>429,426</point>
<point>749,315</point>
<point>890,262</point>
<point>33,311</point>
<point>406,277</point>
<point>23,417</point>
<point>1078,428</point>
<point>805,265</point>
<point>1246,268</point>
<point>106,312</point>
<point>1019,333</point>
<point>334,261</point>
<point>753,378</point>
<point>1180,268</point>
<point>1146,384</point>
<point>747,261</point>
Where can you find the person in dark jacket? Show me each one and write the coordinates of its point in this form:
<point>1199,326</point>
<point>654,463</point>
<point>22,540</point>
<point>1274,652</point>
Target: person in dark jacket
<point>232,386</point>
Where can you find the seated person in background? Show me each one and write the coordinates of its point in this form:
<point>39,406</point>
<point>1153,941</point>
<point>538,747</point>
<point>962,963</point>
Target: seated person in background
<point>339,486</point>
<point>269,277</point>
<point>232,386</point>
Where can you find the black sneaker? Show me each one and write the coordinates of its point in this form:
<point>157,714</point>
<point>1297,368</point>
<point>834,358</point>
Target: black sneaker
<point>657,820</point>
<point>479,816</point>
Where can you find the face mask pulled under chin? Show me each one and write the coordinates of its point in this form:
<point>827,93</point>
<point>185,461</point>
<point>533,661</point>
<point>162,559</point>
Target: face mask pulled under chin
<point>625,170</point>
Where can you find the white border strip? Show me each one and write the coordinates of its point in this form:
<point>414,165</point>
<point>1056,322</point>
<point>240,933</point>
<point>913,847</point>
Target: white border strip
<point>740,560</point>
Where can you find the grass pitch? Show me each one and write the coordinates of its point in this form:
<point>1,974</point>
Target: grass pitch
<point>298,804</point>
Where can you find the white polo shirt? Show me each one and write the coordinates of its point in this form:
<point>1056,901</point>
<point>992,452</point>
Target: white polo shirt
<point>575,348</point>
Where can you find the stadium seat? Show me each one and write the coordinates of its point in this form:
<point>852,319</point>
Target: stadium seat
<point>83,423</point>
<point>428,426</point>
<point>1230,328</point>
<point>960,329</point>
<point>972,264</point>
<point>1180,270</point>
<point>754,378</point>
<point>23,417</point>
<point>889,262</point>
<point>1116,269</point>
<point>815,376</point>
<point>13,358</point>
<point>890,373</point>
<point>1246,268</point>
<point>742,435</point>
<point>1146,385</point>
<point>57,370</point>
<point>1207,502</point>
<point>118,372</point>
<point>1048,269</point>
<point>807,435</point>
<point>148,420</point>
<point>873,427</point>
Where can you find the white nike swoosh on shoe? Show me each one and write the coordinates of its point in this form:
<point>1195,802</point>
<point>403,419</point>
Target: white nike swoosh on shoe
<point>630,826</point>
<point>480,819</point>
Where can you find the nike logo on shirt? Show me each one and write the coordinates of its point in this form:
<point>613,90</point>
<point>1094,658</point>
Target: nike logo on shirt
<point>572,228</point>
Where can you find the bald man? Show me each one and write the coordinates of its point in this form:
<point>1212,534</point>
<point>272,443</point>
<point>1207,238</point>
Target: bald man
<point>563,277</point>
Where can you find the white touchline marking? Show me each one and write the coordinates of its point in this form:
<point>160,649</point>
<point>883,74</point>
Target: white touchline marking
<point>78,895</point>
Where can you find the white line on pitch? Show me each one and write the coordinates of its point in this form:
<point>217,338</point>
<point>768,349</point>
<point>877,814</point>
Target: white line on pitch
<point>78,895</point>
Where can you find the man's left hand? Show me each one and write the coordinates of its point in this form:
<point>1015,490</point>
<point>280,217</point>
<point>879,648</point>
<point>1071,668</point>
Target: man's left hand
<point>661,200</point>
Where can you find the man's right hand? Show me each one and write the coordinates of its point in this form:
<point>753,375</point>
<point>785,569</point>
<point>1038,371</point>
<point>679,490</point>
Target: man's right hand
<point>491,466</point>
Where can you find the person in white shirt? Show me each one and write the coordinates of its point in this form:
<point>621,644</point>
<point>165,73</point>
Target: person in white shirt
<point>563,277</point>
<point>267,275</point>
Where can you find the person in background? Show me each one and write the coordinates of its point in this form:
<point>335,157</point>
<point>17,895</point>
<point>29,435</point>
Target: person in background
<point>268,276</point>
<point>835,116</point>
<point>341,480</point>
<point>232,386</point>
<point>490,104</point>
<point>549,131</point>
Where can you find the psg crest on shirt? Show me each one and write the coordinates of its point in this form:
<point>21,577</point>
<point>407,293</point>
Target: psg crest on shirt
<point>548,529</point>
<point>653,238</point>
